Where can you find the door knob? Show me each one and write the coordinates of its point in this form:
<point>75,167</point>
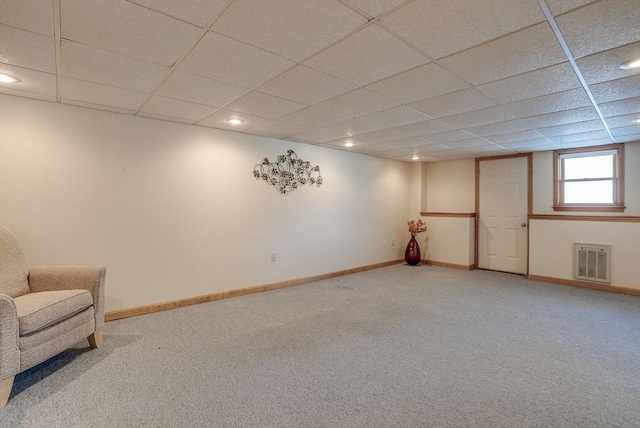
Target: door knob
<point>524,225</point>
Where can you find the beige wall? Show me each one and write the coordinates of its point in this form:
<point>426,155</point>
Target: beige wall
<point>173,210</point>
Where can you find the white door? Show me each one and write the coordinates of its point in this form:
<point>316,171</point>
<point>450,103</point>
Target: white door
<point>502,225</point>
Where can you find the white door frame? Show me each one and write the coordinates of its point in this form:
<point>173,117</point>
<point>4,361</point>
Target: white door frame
<point>529,157</point>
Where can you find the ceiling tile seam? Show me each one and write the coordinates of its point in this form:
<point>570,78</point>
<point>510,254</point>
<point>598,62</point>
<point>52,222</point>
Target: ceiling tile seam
<point>206,26</point>
<point>2,24</point>
<point>572,61</point>
<point>58,48</point>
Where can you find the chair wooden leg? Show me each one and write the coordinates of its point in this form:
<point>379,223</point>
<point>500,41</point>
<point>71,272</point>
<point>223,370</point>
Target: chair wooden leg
<point>5,390</point>
<point>95,340</point>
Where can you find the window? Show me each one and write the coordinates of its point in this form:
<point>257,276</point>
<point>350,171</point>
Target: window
<point>589,179</point>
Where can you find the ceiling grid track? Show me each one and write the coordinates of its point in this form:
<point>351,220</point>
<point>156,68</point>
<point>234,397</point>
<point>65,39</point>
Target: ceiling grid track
<point>58,43</point>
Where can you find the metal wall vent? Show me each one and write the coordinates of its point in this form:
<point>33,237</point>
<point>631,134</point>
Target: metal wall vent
<point>592,262</point>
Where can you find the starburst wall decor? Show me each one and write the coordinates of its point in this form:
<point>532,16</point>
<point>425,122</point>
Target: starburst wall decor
<point>288,172</point>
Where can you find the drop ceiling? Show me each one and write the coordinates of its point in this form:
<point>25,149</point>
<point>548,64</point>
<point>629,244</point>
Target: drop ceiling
<point>439,79</point>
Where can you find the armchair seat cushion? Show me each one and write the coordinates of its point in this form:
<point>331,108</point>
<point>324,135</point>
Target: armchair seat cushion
<point>37,311</point>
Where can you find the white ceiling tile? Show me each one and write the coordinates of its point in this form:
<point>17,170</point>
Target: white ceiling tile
<point>538,148</point>
<point>478,117</point>
<point>514,136</point>
<point>164,118</point>
<point>614,90</point>
<point>293,29</point>
<point>314,117</point>
<point>221,58</point>
<point>369,55</point>
<point>197,12</point>
<point>584,143</point>
<point>305,85</point>
<point>571,128</point>
<point>573,98</point>
<point>170,107</point>
<point>103,107</point>
<point>605,65</point>
<point>626,139</point>
<point>347,128</point>
<point>450,155</point>
<point>623,120</point>
<point>441,28</point>
<point>454,103</point>
<point>375,8</point>
<point>404,154</point>
<point>559,7</point>
<point>562,117</point>
<point>277,129</point>
<point>408,142</point>
<point>600,26</point>
<point>382,136</point>
<point>633,130</point>
<point>580,137</point>
<point>85,63</point>
<point>26,49</point>
<point>395,117</point>
<point>372,147</point>
<point>537,83</point>
<point>219,120</point>
<point>446,137</point>
<point>34,15</point>
<point>427,81</point>
<point>618,108</point>
<point>473,142</point>
<point>490,150</point>
<point>264,105</point>
<point>198,89</point>
<point>430,148</point>
<point>127,29</point>
<point>530,49</point>
<point>526,143</point>
<point>426,127</point>
<point>357,103</point>
<point>33,82</point>
<point>94,93</point>
<point>499,128</point>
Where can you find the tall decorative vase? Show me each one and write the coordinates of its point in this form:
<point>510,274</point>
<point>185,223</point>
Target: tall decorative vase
<point>412,253</point>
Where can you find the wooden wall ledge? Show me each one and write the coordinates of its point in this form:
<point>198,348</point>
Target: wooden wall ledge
<point>616,218</point>
<point>458,215</point>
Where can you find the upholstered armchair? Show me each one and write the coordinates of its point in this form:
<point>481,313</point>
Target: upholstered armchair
<point>43,310</point>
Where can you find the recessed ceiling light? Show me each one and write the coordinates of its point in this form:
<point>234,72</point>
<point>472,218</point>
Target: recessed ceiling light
<point>6,78</point>
<point>636,121</point>
<point>633,63</point>
<point>235,121</point>
<point>415,157</point>
<point>349,144</point>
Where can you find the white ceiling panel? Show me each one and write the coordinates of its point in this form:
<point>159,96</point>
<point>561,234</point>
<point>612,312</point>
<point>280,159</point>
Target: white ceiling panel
<point>626,138</point>
<point>34,15</point>
<point>198,89</point>
<point>395,117</point>
<point>111,109</point>
<point>347,128</point>
<point>571,128</point>
<point>357,103</point>
<point>618,108</point>
<point>441,28</point>
<point>454,103</point>
<point>514,137</point>
<point>446,137</point>
<point>478,117</point>
<point>372,147</point>
<point>271,25</point>
<point>277,129</point>
<point>426,127</point>
<point>602,136</point>
<point>85,63</point>
<point>530,49</point>
<point>427,81</point>
<point>305,85</point>
<point>627,130</point>
<point>375,8</point>
<point>499,128</point>
<point>584,143</point>
<point>409,142</point>
<point>259,104</point>
<point>221,58</point>
<point>378,137</point>
<point>431,148</point>
<point>26,49</point>
<point>627,87</point>
<point>219,120</point>
<point>533,84</point>
<point>314,117</point>
<point>369,55</point>
<point>170,107</point>
<point>562,117</point>
<point>33,82</point>
<point>600,26</point>
<point>197,12</point>
<point>527,144</point>
<point>605,65</point>
<point>133,31</point>
<point>573,98</point>
<point>559,7</point>
<point>473,142</point>
<point>94,93</point>
<point>623,120</point>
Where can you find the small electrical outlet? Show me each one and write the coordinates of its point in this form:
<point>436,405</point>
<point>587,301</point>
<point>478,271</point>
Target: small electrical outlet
<point>384,242</point>
<point>273,257</point>
<point>393,242</point>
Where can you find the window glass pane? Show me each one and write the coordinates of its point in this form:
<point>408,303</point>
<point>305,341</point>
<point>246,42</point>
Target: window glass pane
<point>588,192</point>
<point>588,167</point>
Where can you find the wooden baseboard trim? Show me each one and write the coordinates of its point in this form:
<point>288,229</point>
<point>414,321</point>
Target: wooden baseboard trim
<point>159,307</point>
<point>448,265</point>
<point>586,284</point>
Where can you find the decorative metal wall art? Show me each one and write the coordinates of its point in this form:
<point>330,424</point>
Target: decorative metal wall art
<point>287,172</point>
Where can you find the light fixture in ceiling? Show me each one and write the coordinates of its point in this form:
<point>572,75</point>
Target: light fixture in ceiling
<point>349,143</point>
<point>235,121</point>
<point>415,157</point>
<point>7,78</point>
<point>631,64</point>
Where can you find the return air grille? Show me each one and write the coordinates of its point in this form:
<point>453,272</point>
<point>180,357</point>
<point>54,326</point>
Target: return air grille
<point>592,262</point>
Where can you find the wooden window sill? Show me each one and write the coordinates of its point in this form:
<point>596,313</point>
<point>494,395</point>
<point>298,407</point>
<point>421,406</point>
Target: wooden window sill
<point>590,208</point>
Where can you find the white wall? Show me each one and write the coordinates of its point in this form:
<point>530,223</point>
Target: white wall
<point>451,186</point>
<point>173,210</point>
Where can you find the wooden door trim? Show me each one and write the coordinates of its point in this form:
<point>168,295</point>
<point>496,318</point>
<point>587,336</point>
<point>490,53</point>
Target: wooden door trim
<point>529,156</point>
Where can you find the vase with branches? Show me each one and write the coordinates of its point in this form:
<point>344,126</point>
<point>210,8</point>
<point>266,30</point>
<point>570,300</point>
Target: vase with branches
<point>412,254</point>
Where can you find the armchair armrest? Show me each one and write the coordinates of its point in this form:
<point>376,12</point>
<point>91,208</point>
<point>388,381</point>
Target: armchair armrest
<point>52,278</point>
<point>9,336</point>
